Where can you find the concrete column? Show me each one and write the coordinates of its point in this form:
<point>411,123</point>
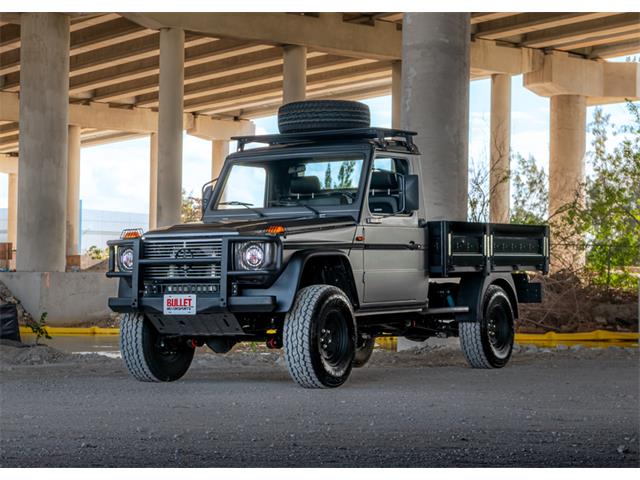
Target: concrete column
<point>73,191</point>
<point>219,151</point>
<point>42,183</point>
<point>12,210</point>
<point>435,103</point>
<point>170,112</point>
<point>499,191</point>
<point>567,144</point>
<point>294,71</point>
<point>396,94</point>
<point>153,181</point>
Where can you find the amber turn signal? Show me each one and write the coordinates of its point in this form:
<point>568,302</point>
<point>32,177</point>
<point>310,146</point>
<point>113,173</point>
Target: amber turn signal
<point>275,230</point>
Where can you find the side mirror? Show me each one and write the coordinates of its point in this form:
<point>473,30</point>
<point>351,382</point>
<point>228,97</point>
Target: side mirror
<point>206,196</point>
<point>411,193</point>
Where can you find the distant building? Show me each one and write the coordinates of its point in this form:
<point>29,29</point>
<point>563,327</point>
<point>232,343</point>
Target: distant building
<point>97,226</point>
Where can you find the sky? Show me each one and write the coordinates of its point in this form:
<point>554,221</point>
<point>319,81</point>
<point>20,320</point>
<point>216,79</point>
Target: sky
<point>116,176</point>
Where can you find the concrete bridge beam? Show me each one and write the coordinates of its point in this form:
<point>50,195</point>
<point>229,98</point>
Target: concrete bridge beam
<point>42,188</point>
<point>435,76</point>
<point>500,146</point>
<point>170,126</point>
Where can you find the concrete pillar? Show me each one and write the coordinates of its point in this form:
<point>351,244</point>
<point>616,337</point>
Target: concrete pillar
<point>42,183</point>
<point>396,94</point>
<point>73,191</point>
<point>567,144</point>
<point>500,148</point>
<point>153,181</point>
<point>294,71</point>
<point>170,112</point>
<point>219,151</point>
<point>435,103</point>
<point>12,210</point>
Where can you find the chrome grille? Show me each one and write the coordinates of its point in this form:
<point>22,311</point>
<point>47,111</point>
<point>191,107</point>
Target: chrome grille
<point>205,249</point>
<point>182,249</point>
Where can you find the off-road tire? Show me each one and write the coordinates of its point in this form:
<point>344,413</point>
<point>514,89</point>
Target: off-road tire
<point>314,307</point>
<point>474,336</point>
<point>141,356</point>
<point>364,352</point>
<point>313,115</point>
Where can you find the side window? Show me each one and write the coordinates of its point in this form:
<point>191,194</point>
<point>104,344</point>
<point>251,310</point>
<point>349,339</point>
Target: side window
<point>386,190</point>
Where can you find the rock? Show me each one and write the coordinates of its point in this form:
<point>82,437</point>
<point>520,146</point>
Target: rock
<point>622,449</point>
<point>561,346</point>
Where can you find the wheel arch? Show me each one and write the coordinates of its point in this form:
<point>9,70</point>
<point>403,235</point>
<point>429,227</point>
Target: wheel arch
<point>299,273</point>
<point>472,290</point>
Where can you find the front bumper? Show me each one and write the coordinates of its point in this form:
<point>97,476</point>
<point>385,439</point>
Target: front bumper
<point>228,297</point>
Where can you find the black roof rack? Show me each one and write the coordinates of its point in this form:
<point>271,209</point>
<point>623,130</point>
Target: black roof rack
<point>382,136</point>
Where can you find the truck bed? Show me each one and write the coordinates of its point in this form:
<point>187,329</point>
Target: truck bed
<point>457,248</point>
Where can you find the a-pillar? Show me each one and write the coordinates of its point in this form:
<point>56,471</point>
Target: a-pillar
<point>435,103</point>
<point>153,181</point>
<point>499,192</point>
<point>294,72</point>
<point>12,210</point>
<point>170,116</point>
<point>73,192</point>
<point>396,94</point>
<point>219,151</point>
<point>567,144</point>
<point>44,101</point>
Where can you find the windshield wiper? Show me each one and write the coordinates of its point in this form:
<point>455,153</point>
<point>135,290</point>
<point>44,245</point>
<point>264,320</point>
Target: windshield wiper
<point>245,205</point>
<point>317,212</point>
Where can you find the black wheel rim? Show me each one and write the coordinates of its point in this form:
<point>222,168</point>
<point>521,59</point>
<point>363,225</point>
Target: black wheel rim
<point>499,330</point>
<point>334,342</point>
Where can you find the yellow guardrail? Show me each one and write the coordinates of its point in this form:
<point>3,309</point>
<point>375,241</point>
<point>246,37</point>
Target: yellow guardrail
<point>75,331</point>
<point>596,338</point>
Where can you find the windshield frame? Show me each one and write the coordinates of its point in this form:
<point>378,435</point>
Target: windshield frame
<point>363,150</point>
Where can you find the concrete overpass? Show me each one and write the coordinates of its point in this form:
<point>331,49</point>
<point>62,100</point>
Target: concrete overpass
<point>68,80</point>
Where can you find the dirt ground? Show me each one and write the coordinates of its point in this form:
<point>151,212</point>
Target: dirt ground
<point>561,407</point>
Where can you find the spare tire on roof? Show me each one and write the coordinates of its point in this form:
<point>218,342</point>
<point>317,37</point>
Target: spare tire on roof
<point>314,115</point>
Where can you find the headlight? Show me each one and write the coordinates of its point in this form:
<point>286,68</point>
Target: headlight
<point>254,255</point>
<point>125,258</point>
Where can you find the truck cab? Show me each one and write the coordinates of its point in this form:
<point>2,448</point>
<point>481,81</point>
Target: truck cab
<point>316,241</point>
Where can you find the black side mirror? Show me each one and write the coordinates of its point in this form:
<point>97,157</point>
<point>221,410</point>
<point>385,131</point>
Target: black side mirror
<point>411,193</point>
<point>206,196</point>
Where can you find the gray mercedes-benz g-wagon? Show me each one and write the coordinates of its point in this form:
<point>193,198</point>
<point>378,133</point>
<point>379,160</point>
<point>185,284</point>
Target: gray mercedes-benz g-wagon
<point>316,242</point>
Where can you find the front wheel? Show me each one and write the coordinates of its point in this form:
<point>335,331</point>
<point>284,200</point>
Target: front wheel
<point>320,337</point>
<point>488,342</point>
<point>149,356</point>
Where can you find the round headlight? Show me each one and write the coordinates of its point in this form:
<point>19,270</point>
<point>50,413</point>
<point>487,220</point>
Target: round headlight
<point>253,256</point>
<point>126,258</point>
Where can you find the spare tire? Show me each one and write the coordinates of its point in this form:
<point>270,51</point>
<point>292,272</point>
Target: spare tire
<point>314,115</point>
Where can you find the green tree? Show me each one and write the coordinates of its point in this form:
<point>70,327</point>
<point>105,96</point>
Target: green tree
<point>191,210</point>
<point>529,192</point>
<point>608,217</point>
<point>345,174</point>
<point>327,177</point>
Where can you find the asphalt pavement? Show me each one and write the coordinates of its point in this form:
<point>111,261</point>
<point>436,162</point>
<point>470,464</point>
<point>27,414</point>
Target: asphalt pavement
<point>424,409</point>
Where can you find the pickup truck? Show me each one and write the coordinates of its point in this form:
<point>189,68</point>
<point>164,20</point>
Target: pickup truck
<point>315,240</point>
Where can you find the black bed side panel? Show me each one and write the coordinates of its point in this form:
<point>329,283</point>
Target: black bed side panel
<point>464,247</point>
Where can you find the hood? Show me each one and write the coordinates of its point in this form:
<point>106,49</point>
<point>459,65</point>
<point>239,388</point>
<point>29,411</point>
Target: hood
<point>253,227</point>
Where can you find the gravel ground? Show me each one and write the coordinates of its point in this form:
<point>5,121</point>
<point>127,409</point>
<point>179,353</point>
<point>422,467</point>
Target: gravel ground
<point>569,407</point>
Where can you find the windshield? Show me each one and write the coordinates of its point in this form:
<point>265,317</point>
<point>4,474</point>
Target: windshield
<point>316,184</point>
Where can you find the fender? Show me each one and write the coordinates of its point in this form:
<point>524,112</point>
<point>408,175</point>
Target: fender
<point>473,288</point>
<point>286,286</point>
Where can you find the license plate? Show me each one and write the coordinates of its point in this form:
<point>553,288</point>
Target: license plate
<point>179,305</point>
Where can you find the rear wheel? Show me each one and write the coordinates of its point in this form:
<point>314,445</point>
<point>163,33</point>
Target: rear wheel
<point>149,356</point>
<point>488,342</point>
<point>320,337</point>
